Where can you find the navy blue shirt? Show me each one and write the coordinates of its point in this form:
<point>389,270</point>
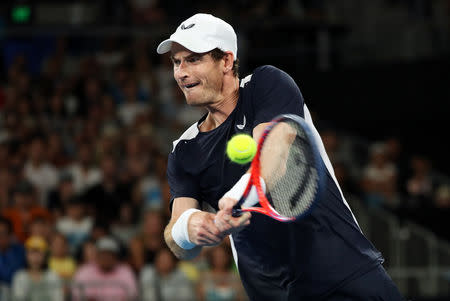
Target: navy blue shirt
<point>315,255</point>
<point>11,260</point>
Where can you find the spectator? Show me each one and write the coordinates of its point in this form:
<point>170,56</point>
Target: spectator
<point>109,143</point>
<point>380,179</point>
<point>138,164</point>
<point>344,179</point>
<point>86,253</point>
<point>220,282</point>
<point>164,73</point>
<point>60,261</point>
<point>60,197</point>
<point>36,282</point>
<point>165,281</point>
<point>419,185</point>
<point>42,227</point>
<point>90,90</point>
<point>107,278</point>
<point>56,153</point>
<point>145,246</point>
<point>121,75</point>
<point>6,184</point>
<point>442,197</point>
<point>100,229</point>
<point>24,210</point>
<point>131,107</point>
<point>38,171</point>
<point>109,110</point>
<point>341,150</point>
<point>147,11</point>
<point>144,73</point>
<point>57,116</point>
<point>110,55</point>
<point>396,155</point>
<point>439,221</point>
<point>12,254</point>
<point>136,159</point>
<point>75,225</point>
<point>125,227</point>
<point>105,198</point>
<point>85,174</point>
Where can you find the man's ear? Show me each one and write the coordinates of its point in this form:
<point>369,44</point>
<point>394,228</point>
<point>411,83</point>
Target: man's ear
<point>228,61</point>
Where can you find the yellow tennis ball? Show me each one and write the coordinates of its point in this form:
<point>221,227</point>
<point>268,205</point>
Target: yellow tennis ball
<point>241,148</point>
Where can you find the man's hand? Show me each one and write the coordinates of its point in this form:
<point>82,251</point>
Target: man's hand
<point>225,222</point>
<point>202,230</point>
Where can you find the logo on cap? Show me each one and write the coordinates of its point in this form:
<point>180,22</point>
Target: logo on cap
<point>187,27</point>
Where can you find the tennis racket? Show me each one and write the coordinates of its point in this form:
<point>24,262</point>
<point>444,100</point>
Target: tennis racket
<point>288,160</point>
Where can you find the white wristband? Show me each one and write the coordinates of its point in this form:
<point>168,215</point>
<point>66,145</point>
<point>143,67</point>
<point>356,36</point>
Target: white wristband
<point>238,189</point>
<point>180,230</point>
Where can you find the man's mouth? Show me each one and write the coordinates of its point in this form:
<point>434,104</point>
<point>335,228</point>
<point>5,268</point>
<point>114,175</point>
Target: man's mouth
<point>191,85</point>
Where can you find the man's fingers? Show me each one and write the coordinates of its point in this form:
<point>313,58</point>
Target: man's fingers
<point>227,203</point>
<point>228,224</point>
<point>203,231</point>
<point>209,240</point>
<point>211,227</point>
<point>241,220</point>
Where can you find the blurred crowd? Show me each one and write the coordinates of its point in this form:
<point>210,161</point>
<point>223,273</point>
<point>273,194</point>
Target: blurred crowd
<point>85,130</point>
<point>83,191</point>
<point>382,174</point>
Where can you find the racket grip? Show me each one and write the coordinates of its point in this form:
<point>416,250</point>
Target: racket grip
<point>236,211</point>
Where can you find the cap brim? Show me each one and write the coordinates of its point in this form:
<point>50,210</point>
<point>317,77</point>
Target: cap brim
<point>166,45</point>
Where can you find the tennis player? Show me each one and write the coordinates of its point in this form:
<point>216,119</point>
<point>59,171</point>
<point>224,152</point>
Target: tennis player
<point>333,260</point>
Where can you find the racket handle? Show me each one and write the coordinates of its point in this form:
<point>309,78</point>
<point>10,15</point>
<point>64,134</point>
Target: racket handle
<point>237,211</point>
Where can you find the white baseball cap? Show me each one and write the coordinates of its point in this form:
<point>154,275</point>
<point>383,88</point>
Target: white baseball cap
<point>107,244</point>
<point>202,33</point>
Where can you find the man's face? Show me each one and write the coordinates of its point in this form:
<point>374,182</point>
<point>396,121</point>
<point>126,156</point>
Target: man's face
<point>106,260</point>
<point>35,258</point>
<point>22,200</point>
<point>198,76</point>
<point>164,262</point>
<point>37,150</point>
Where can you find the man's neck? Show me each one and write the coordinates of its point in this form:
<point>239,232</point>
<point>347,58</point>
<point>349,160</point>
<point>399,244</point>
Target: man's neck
<point>219,112</point>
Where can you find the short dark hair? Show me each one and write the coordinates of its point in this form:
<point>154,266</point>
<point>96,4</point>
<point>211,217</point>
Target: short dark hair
<point>218,54</point>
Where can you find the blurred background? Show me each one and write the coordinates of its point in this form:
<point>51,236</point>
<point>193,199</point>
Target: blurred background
<point>88,113</point>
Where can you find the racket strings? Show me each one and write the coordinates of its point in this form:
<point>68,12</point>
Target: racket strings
<point>294,184</point>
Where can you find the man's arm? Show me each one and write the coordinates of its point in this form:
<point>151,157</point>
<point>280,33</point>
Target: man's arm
<point>269,172</point>
<point>201,228</point>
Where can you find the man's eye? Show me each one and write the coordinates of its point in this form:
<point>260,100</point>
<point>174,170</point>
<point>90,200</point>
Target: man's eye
<point>193,59</point>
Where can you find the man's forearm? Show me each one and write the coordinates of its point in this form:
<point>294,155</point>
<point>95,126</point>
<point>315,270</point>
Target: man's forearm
<point>176,249</point>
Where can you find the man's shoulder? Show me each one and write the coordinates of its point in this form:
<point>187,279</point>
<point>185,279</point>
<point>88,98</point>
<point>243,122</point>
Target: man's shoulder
<point>268,70</point>
<point>264,75</point>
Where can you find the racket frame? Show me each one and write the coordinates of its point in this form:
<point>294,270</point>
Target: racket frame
<point>255,170</point>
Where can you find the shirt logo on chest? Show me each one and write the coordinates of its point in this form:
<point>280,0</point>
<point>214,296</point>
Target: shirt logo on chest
<point>241,126</point>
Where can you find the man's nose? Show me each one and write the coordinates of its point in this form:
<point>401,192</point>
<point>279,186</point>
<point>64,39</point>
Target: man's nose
<point>181,72</point>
